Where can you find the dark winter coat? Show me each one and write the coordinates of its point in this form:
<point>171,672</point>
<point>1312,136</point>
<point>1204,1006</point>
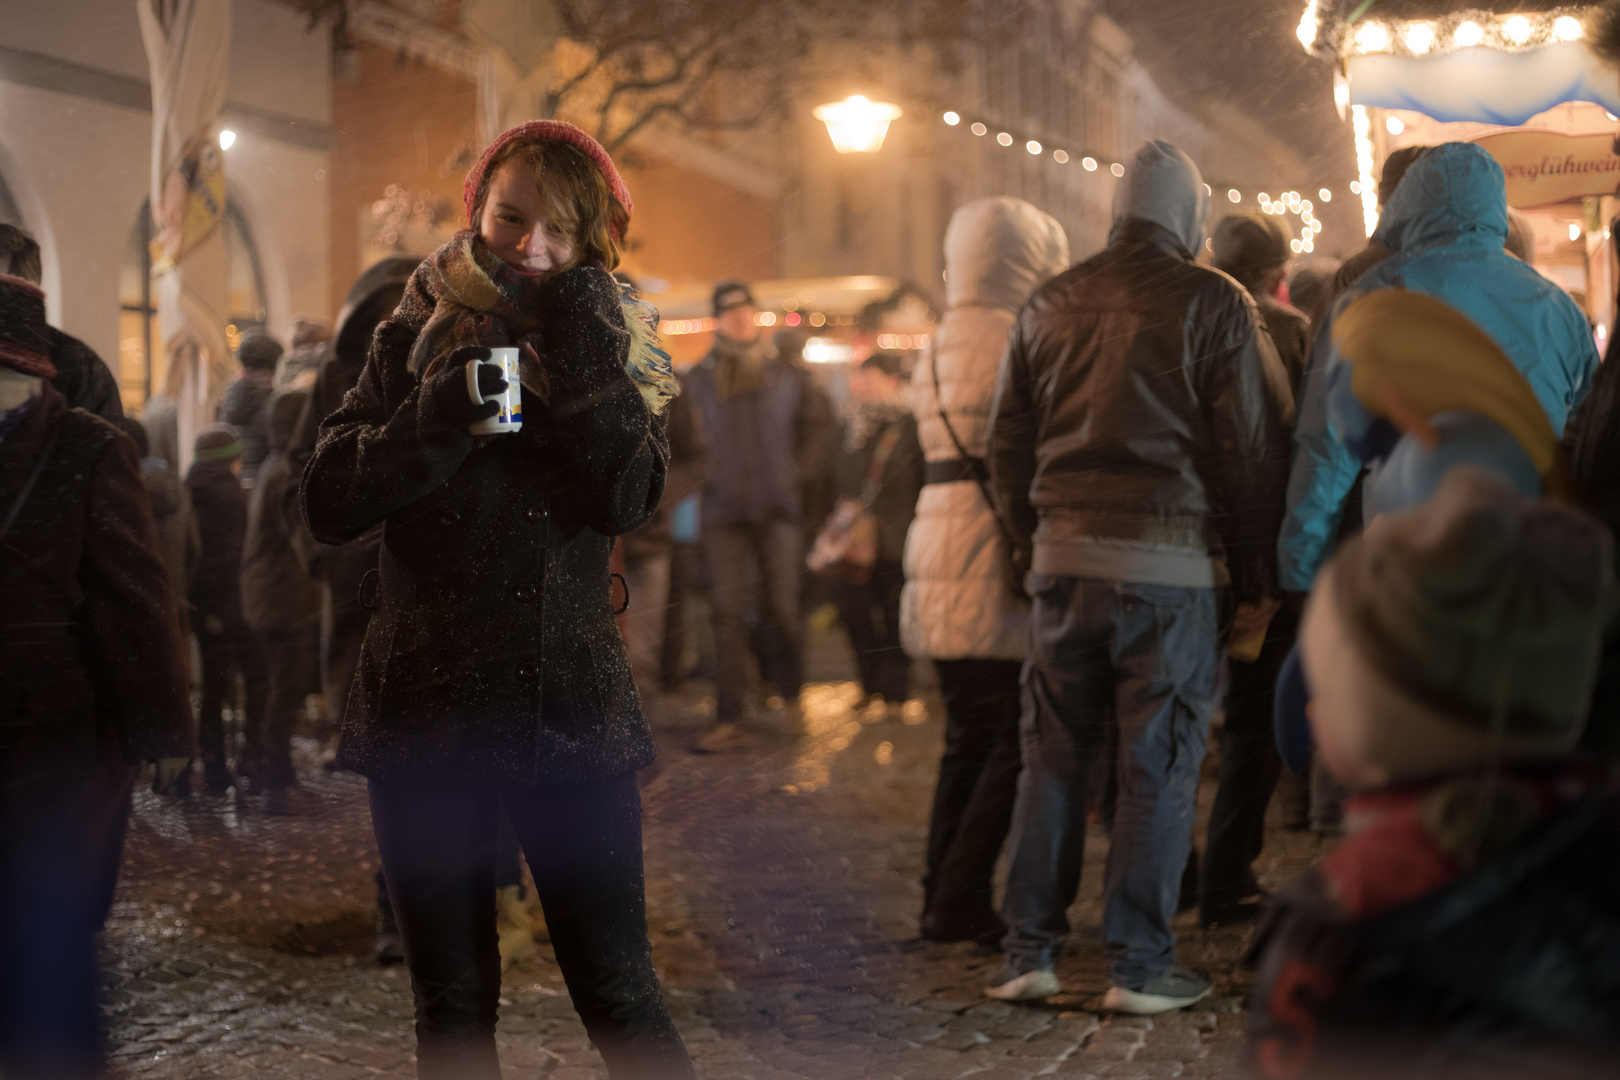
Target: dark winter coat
<point>246,399</point>
<point>278,595</point>
<point>1141,421</point>
<point>1290,332</point>
<point>178,541</point>
<point>901,480</point>
<point>689,462</point>
<point>766,444</point>
<point>82,377</point>
<point>492,655</point>
<point>220,507</point>
<point>91,665</point>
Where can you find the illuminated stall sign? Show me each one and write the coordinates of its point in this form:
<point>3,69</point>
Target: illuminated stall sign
<point>1545,167</point>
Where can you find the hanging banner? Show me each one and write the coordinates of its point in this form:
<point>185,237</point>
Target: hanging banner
<point>193,202</point>
<point>1545,167</point>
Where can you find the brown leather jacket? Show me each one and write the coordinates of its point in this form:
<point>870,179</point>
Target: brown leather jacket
<point>1142,419</point>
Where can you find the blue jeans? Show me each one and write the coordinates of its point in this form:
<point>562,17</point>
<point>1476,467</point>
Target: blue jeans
<point>1130,671</point>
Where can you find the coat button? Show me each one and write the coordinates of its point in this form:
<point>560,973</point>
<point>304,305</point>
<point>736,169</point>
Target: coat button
<point>449,518</point>
<point>535,514</point>
<point>525,593</point>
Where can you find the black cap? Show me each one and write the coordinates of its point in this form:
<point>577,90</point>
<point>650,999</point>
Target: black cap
<point>731,294</point>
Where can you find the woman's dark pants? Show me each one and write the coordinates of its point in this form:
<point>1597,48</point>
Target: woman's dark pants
<point>978,783</point>
<point>870,613</point>
<point>583,843</point>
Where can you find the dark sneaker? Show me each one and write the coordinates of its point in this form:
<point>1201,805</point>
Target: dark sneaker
<point>1010,984</point>
<point>1177,988</point>
<point>983,926</point>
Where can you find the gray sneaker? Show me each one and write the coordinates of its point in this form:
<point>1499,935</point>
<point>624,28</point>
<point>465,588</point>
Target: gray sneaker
<point>1177,988</point>
<point>1010,984</point>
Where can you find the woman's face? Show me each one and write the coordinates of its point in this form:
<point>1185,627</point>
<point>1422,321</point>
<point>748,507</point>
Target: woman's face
<point>517,226</point>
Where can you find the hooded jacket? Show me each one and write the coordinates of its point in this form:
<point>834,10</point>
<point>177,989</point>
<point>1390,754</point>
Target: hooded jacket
<point>1139,426</point>
<point>278,595</point>
<point>1446,223</point>
<point>956,604</point>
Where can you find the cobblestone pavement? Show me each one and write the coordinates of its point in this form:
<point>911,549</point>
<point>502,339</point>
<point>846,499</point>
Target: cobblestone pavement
<point>782,897</point>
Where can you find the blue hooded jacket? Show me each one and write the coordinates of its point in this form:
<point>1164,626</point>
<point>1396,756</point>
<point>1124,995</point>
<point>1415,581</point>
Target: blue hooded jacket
<point>1446,223</point>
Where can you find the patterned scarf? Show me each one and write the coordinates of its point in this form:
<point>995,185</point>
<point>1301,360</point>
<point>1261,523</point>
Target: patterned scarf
<point>480,300</point>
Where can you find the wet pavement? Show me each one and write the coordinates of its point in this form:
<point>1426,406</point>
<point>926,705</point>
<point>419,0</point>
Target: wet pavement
<point>783,892</point>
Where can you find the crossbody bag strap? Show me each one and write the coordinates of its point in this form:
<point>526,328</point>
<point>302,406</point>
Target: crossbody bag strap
<point>33,478</point>
<point>975,466</point>
<point>880,462</point>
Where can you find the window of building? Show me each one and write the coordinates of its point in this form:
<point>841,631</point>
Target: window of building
<point>142,364</point>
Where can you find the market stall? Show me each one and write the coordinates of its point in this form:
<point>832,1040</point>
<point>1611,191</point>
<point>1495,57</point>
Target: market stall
<point>1528,81</point>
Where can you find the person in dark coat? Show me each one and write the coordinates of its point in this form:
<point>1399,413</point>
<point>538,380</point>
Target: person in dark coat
<point>178,542</point>
<point>225,643</point>
<point>92,683</point>
<point>882,468</point>
<point>1253,248</point>
<point>280,601</point>
<point>82,377</point>
<point>248,395</point>
<point>493,675</point>
<point>762,424</point>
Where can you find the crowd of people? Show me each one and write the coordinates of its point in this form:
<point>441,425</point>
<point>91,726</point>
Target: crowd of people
<point>1369,531</point>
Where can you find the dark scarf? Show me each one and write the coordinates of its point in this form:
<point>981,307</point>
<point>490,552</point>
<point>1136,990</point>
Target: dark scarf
<point>24,341</point>
<point>740,367</point>
<point>481,300</point>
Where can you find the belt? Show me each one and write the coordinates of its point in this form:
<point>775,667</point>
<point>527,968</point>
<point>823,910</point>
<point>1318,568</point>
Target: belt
<point>953,470</point>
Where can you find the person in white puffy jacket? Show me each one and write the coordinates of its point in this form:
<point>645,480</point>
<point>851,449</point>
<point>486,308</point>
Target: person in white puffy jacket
<point>957,608</point>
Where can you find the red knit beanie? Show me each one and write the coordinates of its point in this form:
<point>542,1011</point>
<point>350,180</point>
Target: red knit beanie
<point>540,131</point>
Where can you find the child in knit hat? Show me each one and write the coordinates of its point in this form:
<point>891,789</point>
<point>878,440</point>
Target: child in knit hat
<point>1471,919</point>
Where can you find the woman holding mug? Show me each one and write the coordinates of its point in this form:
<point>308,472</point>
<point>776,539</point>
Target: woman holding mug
<point>492,674</point>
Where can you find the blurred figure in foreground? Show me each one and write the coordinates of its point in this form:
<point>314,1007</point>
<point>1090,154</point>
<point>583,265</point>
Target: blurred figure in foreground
<point>82,377</point>
<point>1137,446</point>
<point>957,607</point>
<point>1469,924</point>
<point>92,682</point>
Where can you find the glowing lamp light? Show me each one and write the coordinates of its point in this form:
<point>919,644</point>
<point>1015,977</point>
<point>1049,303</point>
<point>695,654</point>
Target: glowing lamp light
<point>1264,198</point>
<point>1294,246</point>
<point>1089,164</point>
<point>1517,29</point>
<point>856,125</point>
<point>1307,246</point>
<point>1308,24</point>
<point>1316,225</point>
<point>1117,169</point>
<point>1394,125</point>
<point>1567,28</point>
<point>1372,37</point>
<point>978,129</point>
<point>1419,38</point>
<point>1468,35</point>
<point>1003,138</point>
<point>1324,194</point>
<point>1033,147</point>
<point>1234,195</point>
<point>1060,156</point>
<point>765,318</point>
<point>1306,206</point>
<point>952,118</point>
<point>1355,187</point>
<point>1574,231</point>
<point>227,138</point>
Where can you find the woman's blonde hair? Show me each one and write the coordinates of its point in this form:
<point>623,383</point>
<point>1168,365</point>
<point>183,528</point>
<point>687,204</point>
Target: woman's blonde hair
<point>575,193</point>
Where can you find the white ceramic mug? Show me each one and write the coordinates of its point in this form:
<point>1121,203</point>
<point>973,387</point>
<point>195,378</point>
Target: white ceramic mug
<point>510,418</point>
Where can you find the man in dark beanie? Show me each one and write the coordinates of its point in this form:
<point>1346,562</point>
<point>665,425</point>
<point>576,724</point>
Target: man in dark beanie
<point>224,641</point>
<point>249,393</point>
<point>82,377</point>
<point>1253,248</point>
<point>92,683</point>
<point>763,432</point>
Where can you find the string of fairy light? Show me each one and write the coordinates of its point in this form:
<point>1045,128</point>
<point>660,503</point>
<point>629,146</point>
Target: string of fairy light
<point>1288,202</point>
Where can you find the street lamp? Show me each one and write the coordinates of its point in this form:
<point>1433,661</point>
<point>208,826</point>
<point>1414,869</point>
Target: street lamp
<point>857,126</point>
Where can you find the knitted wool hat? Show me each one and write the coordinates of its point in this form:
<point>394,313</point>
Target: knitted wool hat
<point>542,130</point>
<point>258,350</point>
<point>1463,631</point>
<point>1246,243</point>
<point>730,294</point>
<point>24,345</point>
<point>217,442</point>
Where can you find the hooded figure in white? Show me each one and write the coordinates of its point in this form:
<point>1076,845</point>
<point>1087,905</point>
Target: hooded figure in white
<point>956,604</point>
